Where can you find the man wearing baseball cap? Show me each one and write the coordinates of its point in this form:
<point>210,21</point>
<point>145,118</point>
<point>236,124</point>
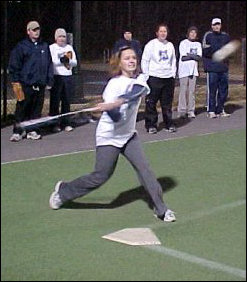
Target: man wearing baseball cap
<point>31,71</point>
<point>217,72</point>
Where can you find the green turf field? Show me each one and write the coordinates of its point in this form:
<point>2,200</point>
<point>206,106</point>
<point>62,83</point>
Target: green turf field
<point>204,183</point>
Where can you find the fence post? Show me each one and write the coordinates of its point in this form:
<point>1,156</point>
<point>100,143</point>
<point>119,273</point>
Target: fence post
<point>244,59</point>
<point>5,48</point>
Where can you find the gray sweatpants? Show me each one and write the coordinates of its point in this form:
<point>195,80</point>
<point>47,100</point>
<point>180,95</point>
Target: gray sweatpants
<point>106,161</point>
<point>187,87</point>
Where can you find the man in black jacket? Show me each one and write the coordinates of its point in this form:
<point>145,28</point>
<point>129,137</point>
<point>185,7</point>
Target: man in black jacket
<point>217,72</point>
<point>31,71</point>
<point>127,40</point>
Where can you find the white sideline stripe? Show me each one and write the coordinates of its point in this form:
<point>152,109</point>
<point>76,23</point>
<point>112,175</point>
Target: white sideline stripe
<point>198,215</point>
<point>47,157</point>
<point>91,150</point>
<point>198,260</point>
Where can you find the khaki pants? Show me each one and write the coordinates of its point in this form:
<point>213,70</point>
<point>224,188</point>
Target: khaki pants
<point>186,100</point>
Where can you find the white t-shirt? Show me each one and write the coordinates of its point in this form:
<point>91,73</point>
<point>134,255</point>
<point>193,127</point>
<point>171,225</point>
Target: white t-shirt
<point>118,133</point>
<point>159,59</point>
<point>56,53</point>
<point>187,68</point>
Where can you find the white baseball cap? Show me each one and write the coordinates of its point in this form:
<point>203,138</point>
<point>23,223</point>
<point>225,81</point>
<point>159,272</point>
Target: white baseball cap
<point>216,20</point>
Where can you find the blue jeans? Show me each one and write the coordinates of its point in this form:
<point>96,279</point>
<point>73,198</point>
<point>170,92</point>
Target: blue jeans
<point>218,91</point>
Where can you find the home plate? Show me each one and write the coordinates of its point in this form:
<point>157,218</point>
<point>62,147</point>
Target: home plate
<point>134,236</point>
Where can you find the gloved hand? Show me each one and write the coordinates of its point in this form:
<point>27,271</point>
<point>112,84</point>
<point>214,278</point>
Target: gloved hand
<point>17,89</point>
<point>68,54</point>
<point>64,60</point>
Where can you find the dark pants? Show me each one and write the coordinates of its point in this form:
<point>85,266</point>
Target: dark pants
<point>61,91</point>
<point>106,161</point>
<point>218,91</point>
<point>30,108</point>
<point>162,89</point>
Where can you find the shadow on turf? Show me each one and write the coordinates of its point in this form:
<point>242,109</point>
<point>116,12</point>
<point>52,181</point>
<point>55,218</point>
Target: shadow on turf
<point>126,197</point>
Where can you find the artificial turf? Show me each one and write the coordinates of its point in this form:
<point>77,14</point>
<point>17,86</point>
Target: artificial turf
<point>203,178</point>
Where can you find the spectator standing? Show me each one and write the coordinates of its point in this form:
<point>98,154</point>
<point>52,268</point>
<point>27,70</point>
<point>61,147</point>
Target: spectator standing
<point>217,72</point>
<point>127,40</point>
<point>190,52</point>
<point>64,59</point>
<point>158,63</point>
<point>117,137</point>
<point>31,71</point>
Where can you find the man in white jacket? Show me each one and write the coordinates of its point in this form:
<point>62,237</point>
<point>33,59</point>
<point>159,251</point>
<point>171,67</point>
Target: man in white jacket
<point>190,53</point>
<point>159,65</point>
<point>64,59</point>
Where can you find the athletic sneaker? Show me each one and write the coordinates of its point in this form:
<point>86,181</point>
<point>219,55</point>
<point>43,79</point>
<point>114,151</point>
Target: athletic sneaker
<point>211,115</point>
<point>169,216</point>
<point>152,130</point>
<point>223,114</point>
<point>33,135</point>
<point>191,115</point>
<point>68,128</point>
<point>16,137</point>
<point>55,200</point>
<point>171,129</point>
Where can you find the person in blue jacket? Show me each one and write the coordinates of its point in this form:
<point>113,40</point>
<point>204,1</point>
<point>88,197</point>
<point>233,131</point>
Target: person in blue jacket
<point>127,40</point>
<point>217,72</point>
<point>31,72</point>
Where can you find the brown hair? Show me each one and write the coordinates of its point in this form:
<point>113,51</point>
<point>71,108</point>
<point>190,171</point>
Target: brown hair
<point>160,25</point>
<point>192,28</point>
<point>115,61</point>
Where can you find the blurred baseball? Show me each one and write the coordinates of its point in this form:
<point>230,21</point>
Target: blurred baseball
<point>226,51</point>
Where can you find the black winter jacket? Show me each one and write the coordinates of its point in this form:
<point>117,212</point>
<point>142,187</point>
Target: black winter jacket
<point>31,63</point>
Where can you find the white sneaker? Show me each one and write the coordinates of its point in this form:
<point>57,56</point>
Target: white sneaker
<point>191,115</point>
<point>224,114</point>
<point>169,216</point>
<point>152,130</point>
<point>68,128</point>
<point>55,200</point>
<point>33,135</point>
<point>212,115</point>
<point>16,137</point>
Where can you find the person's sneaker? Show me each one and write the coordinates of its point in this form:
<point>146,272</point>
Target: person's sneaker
<point>15,137</point>
<point>171,129</point>
<point>152,130</point>
<point>224,114</point>
<point>55,200</point>
<point>181,115</point>
<point>68,128</point>
<point>191,115</point>
<point>56,129</point>
<point>211,115</point>
<point>33,135</point>
<point>169,216</point>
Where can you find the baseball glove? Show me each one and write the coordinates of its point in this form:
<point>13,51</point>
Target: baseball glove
<point>69,56</point>
<point>17,89</point>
